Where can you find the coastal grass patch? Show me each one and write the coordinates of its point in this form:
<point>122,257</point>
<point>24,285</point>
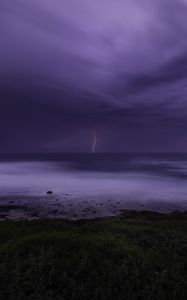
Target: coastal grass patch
<point>139,256</point>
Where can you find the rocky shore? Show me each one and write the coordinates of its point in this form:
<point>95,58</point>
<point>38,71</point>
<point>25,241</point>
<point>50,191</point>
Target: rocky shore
<point>66,206</point>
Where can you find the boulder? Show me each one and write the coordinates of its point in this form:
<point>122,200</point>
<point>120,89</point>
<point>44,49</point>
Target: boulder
<point>49,192</point>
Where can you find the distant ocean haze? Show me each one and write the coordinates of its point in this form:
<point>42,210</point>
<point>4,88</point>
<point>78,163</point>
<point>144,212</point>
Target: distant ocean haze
<point>138,181</point>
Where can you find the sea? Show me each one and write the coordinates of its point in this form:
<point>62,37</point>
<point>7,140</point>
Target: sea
<point>103,183</point>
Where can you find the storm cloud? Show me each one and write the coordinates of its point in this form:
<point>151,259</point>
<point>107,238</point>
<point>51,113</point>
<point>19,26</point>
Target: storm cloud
<point>68,66</point>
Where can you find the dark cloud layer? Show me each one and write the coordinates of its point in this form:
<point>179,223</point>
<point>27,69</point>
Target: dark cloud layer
<point>69,66</point>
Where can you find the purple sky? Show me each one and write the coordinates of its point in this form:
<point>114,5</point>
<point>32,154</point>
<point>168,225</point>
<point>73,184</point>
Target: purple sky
<point>70,66</point>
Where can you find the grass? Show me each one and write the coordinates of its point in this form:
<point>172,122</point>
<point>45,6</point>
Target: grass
<point>135,256</point>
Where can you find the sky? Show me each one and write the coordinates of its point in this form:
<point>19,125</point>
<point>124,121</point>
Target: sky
<point>69,68</point>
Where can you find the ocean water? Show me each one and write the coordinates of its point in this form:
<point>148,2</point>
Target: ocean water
<point>135,181</point>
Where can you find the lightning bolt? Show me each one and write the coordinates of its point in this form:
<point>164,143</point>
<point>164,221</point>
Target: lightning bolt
<point>94,141</point>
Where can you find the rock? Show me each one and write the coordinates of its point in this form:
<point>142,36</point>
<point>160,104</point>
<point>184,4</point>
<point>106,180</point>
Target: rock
<point>49,192</point>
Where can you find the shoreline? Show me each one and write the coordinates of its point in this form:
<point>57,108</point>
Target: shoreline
<point>33,208</point>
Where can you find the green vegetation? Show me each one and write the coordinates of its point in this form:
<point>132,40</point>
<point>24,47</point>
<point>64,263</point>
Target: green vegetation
<point>134,256</point>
